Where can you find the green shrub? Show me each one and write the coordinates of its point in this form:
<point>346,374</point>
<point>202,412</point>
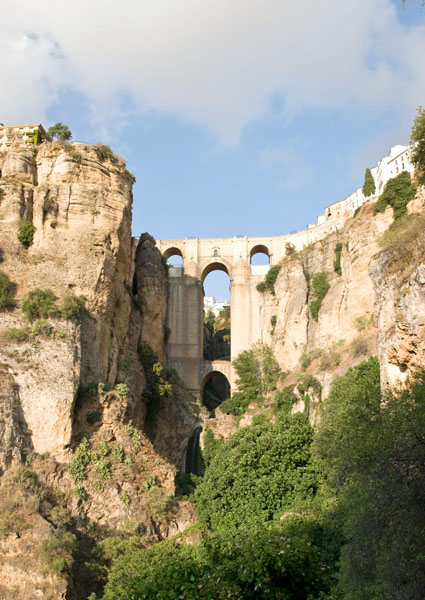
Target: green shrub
<point>398,192</point>
<point>7,301</point>
<point>80,461</point>
<point>337,261</point>
<point>26,234</point>
<point>369,184</point>
<point>286,398</point>
<point>329,360</point>
<point>56,553</point>
<point>73,307</point>
<point>268,284</point>
<point>44,328</point>
<point>73,153</point>
<point>320,287</point>
<point>19,335</point>
<point>39,304</point>
<point>160,504</point>
<point>307,358</point>
<point>122,389</point>
<point>102,469</point>
<point>105,153</point>
<point>257,474</point>
<point>237,404</point>
<point>363,322</point>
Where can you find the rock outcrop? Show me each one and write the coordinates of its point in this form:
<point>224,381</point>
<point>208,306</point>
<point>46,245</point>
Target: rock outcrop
<point>369,309</point>
<point>73,399</point>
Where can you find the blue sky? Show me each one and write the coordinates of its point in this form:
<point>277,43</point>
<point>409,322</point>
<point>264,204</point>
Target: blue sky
<point>237,117</point>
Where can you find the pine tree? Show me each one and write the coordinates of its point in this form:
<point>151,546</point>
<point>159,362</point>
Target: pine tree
<point>369,184</point>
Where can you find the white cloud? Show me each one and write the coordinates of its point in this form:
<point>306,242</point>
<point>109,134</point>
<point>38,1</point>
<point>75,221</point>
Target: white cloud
<point>215,62</point>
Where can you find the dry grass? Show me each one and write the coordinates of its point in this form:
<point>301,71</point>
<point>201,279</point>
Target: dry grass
<point>404,244</point>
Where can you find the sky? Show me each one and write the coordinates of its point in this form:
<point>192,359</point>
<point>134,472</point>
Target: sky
<point>237,117</point>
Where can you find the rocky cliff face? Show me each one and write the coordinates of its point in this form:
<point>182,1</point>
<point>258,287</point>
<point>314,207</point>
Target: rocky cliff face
<point>370,308</point>
<point>63,380</point>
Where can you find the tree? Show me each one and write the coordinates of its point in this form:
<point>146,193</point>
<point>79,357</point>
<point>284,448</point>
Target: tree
<point>7,301</point>
<point>258,370</point>
<point>257,474</point>
<point>369,184</point>
<point>398,192</point>
<point>59,132</point>
<point>374,455</point>
<point>417,137</point>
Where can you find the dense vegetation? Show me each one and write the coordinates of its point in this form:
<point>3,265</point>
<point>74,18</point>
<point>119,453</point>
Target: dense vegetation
<point>320,287</point>
<point>268,284</point>
<point>258,373</point>
<point>7,301</point>
<point>398,192</point>
<point>289,513</point>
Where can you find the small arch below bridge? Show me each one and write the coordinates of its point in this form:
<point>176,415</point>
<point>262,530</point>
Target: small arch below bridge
<point>215,389</point>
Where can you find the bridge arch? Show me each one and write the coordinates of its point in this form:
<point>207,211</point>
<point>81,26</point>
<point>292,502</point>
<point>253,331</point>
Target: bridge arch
<point>215,266</point>
<point>219,385</point>
<point>172,251</point>
<point>259,249</point>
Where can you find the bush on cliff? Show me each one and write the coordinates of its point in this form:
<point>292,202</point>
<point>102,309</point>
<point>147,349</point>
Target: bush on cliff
<point>40,304</point>
<point>321,287</point>
<point>26,234</point>
<point>268,284</point>
<point>398,192</point>
<point>73,307</point>
<point>7,301</point>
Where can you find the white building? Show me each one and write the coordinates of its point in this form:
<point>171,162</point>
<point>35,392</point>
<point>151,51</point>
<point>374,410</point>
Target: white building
<point>390,166</point>
<point>210,303</point>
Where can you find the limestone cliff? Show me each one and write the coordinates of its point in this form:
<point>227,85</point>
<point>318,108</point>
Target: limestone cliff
<point>64,381</point>
<point>370,308</point>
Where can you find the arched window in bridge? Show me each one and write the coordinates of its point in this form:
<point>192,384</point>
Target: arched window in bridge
<point>216,287</point>
<point>174,257</point>
<point>260,255</point>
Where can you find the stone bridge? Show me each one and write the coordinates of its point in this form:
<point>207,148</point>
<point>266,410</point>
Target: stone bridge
<point>185,316</point>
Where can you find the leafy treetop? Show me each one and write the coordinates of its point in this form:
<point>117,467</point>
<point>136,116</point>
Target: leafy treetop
<point>369,184</point>
<point>59,132</point>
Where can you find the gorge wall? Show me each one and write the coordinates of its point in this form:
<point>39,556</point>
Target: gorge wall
<point>374,306</point>
<point>102,377</point>
<point>65,379</point>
